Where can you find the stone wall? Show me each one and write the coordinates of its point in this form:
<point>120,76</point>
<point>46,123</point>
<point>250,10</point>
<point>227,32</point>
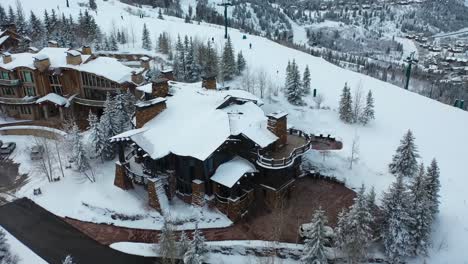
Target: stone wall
<point>153,199</point>
<point>32,131</point>
<point>209,84</point>
<point>144,114</point>
<point>160,88</point>
<point>279,128</point>
<point>121,180</point>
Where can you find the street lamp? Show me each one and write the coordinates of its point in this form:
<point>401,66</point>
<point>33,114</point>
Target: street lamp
<point>411,61</point>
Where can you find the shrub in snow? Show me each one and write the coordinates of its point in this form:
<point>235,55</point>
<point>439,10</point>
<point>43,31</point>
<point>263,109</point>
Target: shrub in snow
<point>404,161</point>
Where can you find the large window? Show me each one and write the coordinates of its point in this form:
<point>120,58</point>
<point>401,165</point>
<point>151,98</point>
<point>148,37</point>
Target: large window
<point>55,84</point>
<point>4,75</point>
<point>26,76</point>
<point>95,81</point>
<point>8,91</point>
<point>26,110</point>
<point>29,90</point>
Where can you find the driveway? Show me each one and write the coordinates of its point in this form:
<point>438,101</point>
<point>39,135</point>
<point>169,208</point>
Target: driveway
<point>53,239</point>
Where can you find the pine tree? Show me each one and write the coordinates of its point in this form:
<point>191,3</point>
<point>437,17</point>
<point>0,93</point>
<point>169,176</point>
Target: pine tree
<point>420,213</point>
<point>293,88</point>
<point>433,187</point>
<point>11,15</point>
<point>107,129</point>
<point>306,81</point>
<point>397,223</point>
<point>113,46</point>
<point>92,4</point>
<point>179,61</point>
<point>79,157</point>
<point>228,61</point>
<point>3,16</point>
<point>35,29</point>
<point>368,113</point>
<point>21,25</point>
<point>167,242</point>
<point>314,248</point>
<point>346,103</point>
<point>241,64</point>
<point>146,39</point>
<point>184,243</point>
<point>68,260</point>
<point>404,161</point>
<point>211,65</point>
<point>193,68</point>
<point>197,249</point>
<point>93,129</point>
<point>355,232</point>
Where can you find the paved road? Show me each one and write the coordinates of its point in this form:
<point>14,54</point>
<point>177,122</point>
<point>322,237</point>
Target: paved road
<point>52,238</point>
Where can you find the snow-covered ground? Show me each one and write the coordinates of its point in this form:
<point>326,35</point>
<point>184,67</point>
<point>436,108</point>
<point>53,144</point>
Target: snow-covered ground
<point>26,256</point>
<point>440,130</point>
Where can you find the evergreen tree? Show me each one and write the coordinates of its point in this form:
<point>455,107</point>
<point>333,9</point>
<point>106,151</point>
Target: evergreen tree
<point>146,39</point>
<point>107,129</point>
<point>404,161</point>
<point>346,105</point>
<point>433,187</point>
<point>293,87</point>
<point>163,43</point>
<point>167,242</point>
<point>228,61</point>
<point>193,69</point>
<point>420,213</point>
<point>368,114</point>
<point>11,16</point>
<point>396,228</point>
<point>3,16</point>
<point>241,64</point>
<point>179,61</point>
<point>92,4</point>
<point>93,128</point>
<point>314,248</point>
<point>354,234</point>
<point>197,249</point>
<point>21,25</point>
<point>184,243</point>
<point>79,157</point>
<point>35,29</point>
<point>6,257</point>
<point>306,81</point>
<point>113,46</point>
<point>211,65</point>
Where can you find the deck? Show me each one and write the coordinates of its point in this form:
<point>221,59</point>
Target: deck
<point>294,141</point>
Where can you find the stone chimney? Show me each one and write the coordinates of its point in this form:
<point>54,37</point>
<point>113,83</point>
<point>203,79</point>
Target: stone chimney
<point>86,50</point>
<point>74,57</point>
<point>137,78</point>
<point>145,62</point>
<point>168,74</point>
<point>277,124</point>
<point>209,82</point>
<point>41,62</point>
<point>52,44</point>
<point>160,87</point>
<point>7,57</point>
<point>147,110</point>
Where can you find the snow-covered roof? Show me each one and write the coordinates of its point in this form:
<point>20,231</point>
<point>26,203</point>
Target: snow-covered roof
<point>228,173</point>
<point>147,88</point>
<point>191,125</point>
<point>3,39</point>
<point>144,58</point>
<point>74,53</point>
<point>106,67</point>
<point>54,98</point>
<point>150,102</point>
<point>277,114</point>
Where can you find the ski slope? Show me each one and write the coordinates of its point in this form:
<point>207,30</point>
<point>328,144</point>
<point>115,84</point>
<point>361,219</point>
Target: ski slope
<point>440,130</point>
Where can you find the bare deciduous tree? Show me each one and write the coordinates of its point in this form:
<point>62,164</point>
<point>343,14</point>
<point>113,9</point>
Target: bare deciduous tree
<point>357,103</point>
<point>262,81</point>
<point>319,100</point>
<point>354,157</point>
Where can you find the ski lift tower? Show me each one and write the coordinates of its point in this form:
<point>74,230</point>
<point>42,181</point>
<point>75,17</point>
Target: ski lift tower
<point>411,61</point>
<point>226,4</point>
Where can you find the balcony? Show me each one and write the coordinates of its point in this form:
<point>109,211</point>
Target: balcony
<point>89,102</point>
<point>297,144</point>
<point>19,101</point>
<point>4,82</point>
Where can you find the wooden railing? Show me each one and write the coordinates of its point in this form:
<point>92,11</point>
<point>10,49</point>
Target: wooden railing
<point>89,102</point>
<point>273,163</point>
<point>13,100</point>
<point>10,82</point>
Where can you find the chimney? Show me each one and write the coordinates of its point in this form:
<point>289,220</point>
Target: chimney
<point>145,62</point>
<point>147,110</point>
<point>160,87</point>
<point>52,44</point>
<point>74,57</point>
<point>277,124</point>
<point>209,82</point>
<point>41,62</point>
<point>168,74</point>
<point>7,57</point>
<point>137,78</point>
<point>86,50</point>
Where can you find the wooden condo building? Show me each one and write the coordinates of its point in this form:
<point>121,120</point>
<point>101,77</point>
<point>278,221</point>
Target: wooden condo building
<point>209,147</point>
<point>54,82</point>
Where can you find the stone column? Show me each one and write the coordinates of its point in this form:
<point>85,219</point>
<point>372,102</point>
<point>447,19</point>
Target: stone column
<point>61,113</point>
<point>198,192</point>
<point>121,179</point>
<point>153,199</point>
<point>46,112</point>
<point>172,182</point>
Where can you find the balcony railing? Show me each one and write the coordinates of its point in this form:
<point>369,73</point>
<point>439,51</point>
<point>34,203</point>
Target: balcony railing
<point>89,102</point>
<point>280,163</point>
<point>10,82</point>
<point>13,100</point>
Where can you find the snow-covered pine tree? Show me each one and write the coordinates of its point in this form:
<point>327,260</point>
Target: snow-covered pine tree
<point>197,249</point>
<point>211,65</point>
<point>346,105</point>
<point>11,15</point>
<point>306,81</point>
<point>6,256</point>
<point>228,61</point>
<point>420,212</point>
<point>293,89</point>
<point>368,114</point>
<point>113,43</point>
<point>355,232</point>
<point>193,69</point>
<point>167,243</point>
<point>396,227</point>
<point>106,130</point>
<point>404,161</point>
<point>314,248</point>
<point>184,243</point>
<point>433,187</point>
<point>241,64</point>
<point>78,155</point>
<point>21,25</point>
<point>92,4</point>
<point>146,38</point>
<point>93,128</point>
<point>179,61</point>
<point>3,16</point>
<point>35,29</point>
<point>68,260</point>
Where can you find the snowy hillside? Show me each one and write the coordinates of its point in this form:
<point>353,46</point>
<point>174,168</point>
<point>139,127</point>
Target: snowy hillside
<point>440,130</point>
